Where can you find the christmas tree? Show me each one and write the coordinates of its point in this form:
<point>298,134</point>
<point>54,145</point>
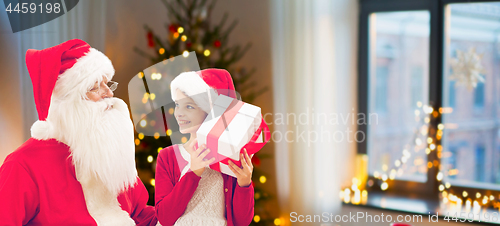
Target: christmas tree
<point>190,29</point>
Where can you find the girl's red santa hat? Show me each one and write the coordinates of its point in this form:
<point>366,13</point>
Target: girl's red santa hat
<point>203,86</point>
<point>68,70</point>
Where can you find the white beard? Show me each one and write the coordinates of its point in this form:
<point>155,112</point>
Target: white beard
<point>103,151</point>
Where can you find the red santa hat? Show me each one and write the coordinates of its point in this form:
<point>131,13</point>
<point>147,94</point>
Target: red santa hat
<point>209,81</point>
<point>74,60</point>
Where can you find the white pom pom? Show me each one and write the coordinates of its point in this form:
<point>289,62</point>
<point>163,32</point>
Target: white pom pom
<point>41,130</point>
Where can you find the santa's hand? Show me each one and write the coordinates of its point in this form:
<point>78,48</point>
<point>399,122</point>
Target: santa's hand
<point>198,163</point>
<point>243,173</point>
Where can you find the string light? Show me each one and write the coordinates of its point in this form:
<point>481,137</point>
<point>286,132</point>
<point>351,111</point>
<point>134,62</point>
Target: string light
<point>432,144</point>
<point>180,30</point>
<point>143,123</point>
<point>171,111</point>
<point>347,195</point>
<point>357,197</point>
<point>257,195</point>
<point>157,135</point>
<point>206,52</point>
<point>183,38</point>
<point>152,182</point>
<point>277,221</point>
<point>439,176</point>
<point>440,126</point>
<point>156,76</point>
<point>185,53</point>
<point>256,218</point>
<point>140,136</point>
<point>137,142</point>
<point>150,158</point>
<point>140,75</point>
<point>384,186</point>
<point>169,132</point>
<point>161,51</point>
<point>159,149</point>
<point>262,179</point>
<point>183,139</point>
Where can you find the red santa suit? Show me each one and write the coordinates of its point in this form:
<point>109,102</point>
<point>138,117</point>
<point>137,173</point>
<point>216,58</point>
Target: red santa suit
<point>79,166</point>
<point>38,186</point>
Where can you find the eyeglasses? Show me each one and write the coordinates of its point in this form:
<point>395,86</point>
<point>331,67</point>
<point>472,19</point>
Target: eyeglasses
<point>111,85</point>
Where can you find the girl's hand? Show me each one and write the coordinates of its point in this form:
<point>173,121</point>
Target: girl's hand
<point>243,174</point>
<point>198,163</point>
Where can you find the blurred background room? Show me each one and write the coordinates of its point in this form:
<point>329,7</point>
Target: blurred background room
<point>375,106</point>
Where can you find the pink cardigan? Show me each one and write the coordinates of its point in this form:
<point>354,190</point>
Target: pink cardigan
<point>172,195</point>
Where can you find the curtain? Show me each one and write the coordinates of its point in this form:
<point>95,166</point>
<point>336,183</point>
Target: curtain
<point>314,46</point>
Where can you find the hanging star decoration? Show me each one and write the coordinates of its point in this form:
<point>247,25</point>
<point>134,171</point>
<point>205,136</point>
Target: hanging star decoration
<point>467,68</point>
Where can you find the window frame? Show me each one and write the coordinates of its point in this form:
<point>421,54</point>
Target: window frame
<point>436,8</point>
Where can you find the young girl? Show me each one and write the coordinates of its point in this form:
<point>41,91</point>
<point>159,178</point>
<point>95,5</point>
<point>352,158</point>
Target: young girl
<point>187,191</point>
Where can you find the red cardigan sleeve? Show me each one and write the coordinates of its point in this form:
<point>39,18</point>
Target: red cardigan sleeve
<point>243,204</point>
<point>141,213</point>
<point>172,197</point>
<point>18,195</point>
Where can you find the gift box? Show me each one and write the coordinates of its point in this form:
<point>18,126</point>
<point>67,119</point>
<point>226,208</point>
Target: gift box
<point>229,127</point>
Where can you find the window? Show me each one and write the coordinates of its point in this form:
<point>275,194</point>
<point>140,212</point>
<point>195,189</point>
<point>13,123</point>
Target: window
<point>417,86</point>
<point>471,30</point>
<point>439,53</point>
<point>479,164</point>
<point>381,93</point>
<point>451,95</point>
<point>479,96</point>
<point>399,83</point>
<point>450,159</point>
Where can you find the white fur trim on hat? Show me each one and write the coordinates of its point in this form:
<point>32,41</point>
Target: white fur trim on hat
<point>85,72</point>
<point>41,130</point>
<point>191,84</point>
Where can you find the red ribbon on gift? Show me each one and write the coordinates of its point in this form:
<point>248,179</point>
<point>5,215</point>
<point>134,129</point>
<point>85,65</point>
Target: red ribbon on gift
<point>221,125</point>
<point>251,146</point>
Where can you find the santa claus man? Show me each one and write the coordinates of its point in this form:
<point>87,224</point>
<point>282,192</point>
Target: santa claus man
<point>78,168</point>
